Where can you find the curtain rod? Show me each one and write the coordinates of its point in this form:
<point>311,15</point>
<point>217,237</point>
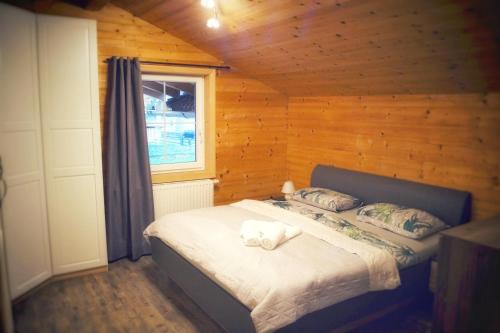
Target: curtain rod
<point>168,63</point>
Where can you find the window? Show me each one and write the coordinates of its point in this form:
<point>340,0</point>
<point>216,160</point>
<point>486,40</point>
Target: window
<point>175,112</point>
<point>181,139</point>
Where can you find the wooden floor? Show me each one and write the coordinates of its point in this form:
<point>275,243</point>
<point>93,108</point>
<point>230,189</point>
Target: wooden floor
<point>130,297</point>
<point>137,297</point>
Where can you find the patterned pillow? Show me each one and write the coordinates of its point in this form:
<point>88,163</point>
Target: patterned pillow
<point>408,222</point>
<point>326,199</point>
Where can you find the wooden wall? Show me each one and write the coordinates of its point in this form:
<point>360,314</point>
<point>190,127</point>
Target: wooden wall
<point>446,140</point>
<point>251,139</point>
<point>251,117</point>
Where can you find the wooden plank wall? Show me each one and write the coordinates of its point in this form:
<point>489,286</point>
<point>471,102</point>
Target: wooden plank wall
<point>251,117</point>
<point>446,140</point>
<point>251,139</point>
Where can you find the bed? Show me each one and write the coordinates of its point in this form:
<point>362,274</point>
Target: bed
<point>234,315</point>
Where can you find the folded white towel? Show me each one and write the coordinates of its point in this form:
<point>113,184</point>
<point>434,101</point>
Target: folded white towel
<point>291,231</point>
<point>250,232</point>
<point>267,234</point>
<point>271,235</point>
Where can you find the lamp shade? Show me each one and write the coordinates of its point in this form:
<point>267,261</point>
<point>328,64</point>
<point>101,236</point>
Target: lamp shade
<point>288,187</point>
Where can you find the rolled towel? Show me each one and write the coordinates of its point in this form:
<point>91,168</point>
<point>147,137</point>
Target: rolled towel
<point>290,232</point>
<point>271,235</point>
<point>250,232</point>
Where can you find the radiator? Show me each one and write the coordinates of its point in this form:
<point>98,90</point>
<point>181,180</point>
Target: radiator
<point>179,196</point>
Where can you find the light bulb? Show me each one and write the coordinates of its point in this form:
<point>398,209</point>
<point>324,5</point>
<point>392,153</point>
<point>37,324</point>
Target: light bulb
<point>213,23</point>
<point>208,3</point>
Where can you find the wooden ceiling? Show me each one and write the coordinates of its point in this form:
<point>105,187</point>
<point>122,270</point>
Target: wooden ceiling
<point>43,5</point>
<point>345,47</point>
<point>342,47</point>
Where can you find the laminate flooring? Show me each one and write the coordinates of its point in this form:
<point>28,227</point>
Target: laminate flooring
<point>138,297</point>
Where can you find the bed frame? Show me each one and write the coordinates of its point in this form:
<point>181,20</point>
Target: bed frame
<point>452,206</point>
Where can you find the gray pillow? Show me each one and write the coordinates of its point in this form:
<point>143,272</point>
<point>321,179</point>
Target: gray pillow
<point>326,199</point>
<point>408,222</point>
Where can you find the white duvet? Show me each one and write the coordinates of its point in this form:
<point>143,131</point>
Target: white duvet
<point>319,268</point>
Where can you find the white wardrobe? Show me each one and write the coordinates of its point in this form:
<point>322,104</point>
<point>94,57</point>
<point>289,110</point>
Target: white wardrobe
<point>53,214</point>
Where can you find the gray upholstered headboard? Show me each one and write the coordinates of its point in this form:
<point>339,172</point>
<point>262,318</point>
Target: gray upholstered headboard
<point>452,206</point>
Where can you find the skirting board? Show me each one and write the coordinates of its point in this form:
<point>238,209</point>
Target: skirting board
<point>59,277</point>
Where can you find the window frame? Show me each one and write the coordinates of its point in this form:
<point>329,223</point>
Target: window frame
<point>209,76</point>
<point>199,163</point>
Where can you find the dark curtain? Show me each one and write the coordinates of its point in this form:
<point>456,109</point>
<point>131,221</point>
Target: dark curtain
<point>127,178</point>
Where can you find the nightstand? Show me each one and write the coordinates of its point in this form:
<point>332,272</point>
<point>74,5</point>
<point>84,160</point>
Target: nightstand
<point>467,295</point>
<point>278,197</point>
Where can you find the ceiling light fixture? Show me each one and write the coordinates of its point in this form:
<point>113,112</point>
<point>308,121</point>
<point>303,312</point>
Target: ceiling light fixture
<point>208,3</point>
<point>213,22</point>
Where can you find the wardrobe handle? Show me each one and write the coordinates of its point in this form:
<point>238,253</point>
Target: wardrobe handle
<point>3,191</point>
<point>3,184</point>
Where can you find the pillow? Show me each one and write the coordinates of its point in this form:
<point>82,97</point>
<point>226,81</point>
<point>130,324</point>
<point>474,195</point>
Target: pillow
<point>408,222</point>
<point>326,199</point>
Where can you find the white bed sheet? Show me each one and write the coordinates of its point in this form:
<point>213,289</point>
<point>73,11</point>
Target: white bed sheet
<point>300,276</point>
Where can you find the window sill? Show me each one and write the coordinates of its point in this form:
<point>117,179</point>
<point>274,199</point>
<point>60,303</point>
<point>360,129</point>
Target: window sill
<point>168,177</point>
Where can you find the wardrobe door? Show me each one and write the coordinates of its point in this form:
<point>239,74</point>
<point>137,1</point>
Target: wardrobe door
<point>24,208</point>
<point>72,143</point>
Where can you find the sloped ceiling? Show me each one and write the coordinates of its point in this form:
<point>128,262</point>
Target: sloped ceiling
<point>345,47</point>
<point>340,47</point>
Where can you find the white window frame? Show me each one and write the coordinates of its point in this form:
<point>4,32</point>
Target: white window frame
<point>199,164</point>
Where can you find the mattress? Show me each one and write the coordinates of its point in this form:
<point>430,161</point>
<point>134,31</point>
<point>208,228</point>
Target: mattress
<point>310,272</point>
